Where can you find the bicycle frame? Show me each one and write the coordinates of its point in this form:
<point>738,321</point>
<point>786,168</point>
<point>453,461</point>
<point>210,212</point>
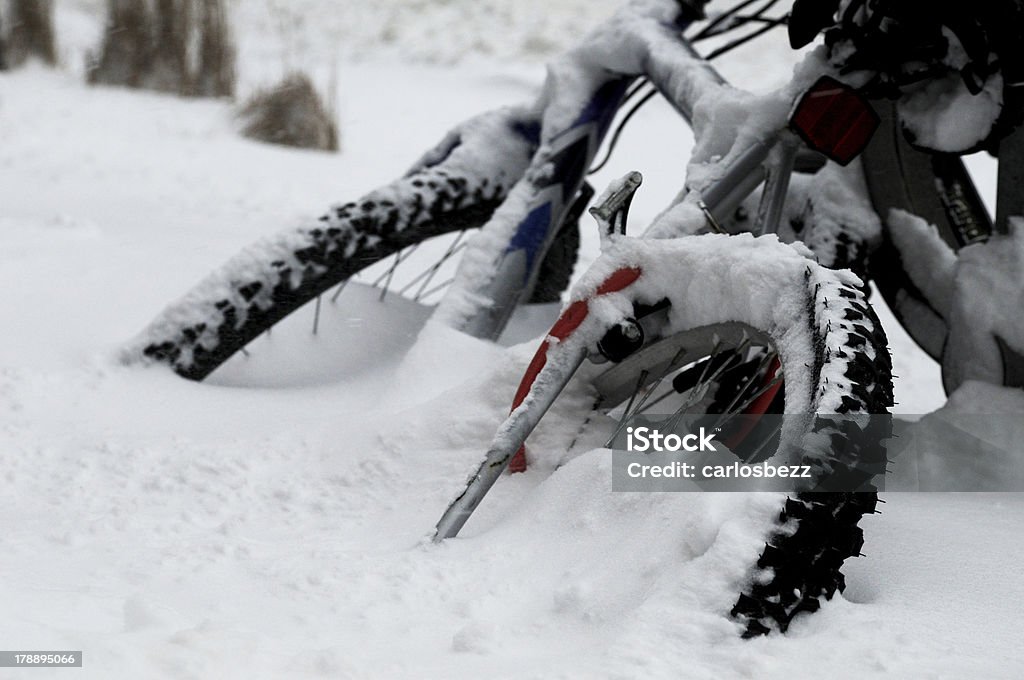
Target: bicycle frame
<point>679,73</point>
<point>584,89</point>
<point>521,173</point>
<point>583,92</point>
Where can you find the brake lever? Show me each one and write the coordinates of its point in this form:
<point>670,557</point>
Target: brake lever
<point>612,209</point>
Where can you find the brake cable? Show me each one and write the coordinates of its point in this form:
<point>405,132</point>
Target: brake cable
<point>735,20</point>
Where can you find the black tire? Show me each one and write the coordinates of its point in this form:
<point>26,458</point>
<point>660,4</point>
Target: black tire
<point>816,529</point>
<point>457,186</point>
<point>353,237</point>
<point>557,266</point>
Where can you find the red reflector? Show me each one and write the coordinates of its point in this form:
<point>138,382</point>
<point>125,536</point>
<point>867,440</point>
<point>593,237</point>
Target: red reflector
<point>834,120</point>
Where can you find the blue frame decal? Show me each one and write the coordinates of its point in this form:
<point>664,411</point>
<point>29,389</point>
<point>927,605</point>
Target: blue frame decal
<point>570,167</point>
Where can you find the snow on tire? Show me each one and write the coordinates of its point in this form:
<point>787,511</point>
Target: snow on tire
<point>456,186</point>
<point>835,362</point>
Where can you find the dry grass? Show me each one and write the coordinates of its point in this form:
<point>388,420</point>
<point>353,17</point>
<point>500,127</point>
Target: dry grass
<point>290,113</point>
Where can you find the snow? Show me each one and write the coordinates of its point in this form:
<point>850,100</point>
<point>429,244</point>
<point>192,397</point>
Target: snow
<point>699,275</point>
<point>972,289</point>
<point>273,522</point>
<point>943,115</point>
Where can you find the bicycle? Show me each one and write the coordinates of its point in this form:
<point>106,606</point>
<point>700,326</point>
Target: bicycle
<point>519,174</point>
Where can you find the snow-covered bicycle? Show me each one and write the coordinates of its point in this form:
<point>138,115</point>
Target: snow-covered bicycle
<point>739,298</point>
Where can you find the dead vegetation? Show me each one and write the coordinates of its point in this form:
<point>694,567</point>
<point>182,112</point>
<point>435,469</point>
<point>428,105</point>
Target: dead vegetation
<point>291,113</point>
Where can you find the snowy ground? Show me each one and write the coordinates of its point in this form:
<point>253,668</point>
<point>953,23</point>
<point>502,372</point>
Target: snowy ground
<point>273,523</point>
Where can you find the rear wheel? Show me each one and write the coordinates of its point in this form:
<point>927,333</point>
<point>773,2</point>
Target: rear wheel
<point>402,239</point>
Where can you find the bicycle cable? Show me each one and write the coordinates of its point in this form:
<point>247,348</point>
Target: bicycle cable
<point>622,124</point>
<point>735,20</point>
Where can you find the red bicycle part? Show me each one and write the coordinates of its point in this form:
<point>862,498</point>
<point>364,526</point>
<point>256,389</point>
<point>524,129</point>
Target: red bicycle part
<point>568,322</point>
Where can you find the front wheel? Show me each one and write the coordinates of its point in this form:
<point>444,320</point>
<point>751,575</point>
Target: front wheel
<point>716,326</point>
<point>826,354</point>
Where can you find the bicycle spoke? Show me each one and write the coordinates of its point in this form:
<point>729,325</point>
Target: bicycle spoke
<point>668,393</point>
<point>387,276</point>
<point>454,247</point>
<point>420,281</point>
<point>739,395</point>
<point>397,259</point>
<point>722,360</point>
<point>774,381</point>
<point>629,405</point>
<point>440,286</point>
<point>341,287</point>
<point>699,390</point>
<point>668,369</point>
<point>701,381</point>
